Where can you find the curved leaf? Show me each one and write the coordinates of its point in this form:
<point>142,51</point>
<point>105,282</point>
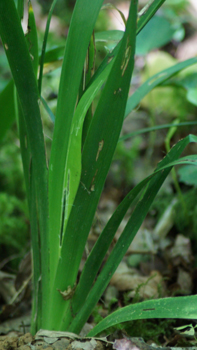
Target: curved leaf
<point>176,307</point>
<point>154,81</point>
<point>134,223</point>
<point>154,128</point>
<point>147,13</point>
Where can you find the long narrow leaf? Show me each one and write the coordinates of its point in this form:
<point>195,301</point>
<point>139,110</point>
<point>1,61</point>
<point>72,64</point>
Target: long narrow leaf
<point>42,58</point>
<point>176,307</point>
<point>36,315</point>
<point>154,128</point>
<point>148,12</point>
<point>20,8</point>
<point>47,109</point>
<point>80,31</point>
<point>154,81</point>
<point>22,71</point>
<point>32,38</point>
<point>101,141</point>
<point>98,151</point>
<point>74,168</point>
<point>129,232</point>
<point>102,245</point>
<point>7,108</point>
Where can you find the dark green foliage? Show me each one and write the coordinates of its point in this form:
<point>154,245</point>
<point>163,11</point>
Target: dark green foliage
<point>14,224</point>
<point>63,195</point>
<point>4,69</point>
<point>14,227</point>
<point>153,330</point>
<point>123,162</point>
<point>11,175</point>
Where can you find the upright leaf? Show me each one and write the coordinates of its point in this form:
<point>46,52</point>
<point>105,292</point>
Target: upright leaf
<point>97,155</point>
<point>17,52</point>
<point>80,31</point>
<point>7,108</point>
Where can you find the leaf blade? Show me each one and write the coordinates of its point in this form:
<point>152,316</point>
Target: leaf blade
<point>17,52</point>
<point>129,232</point>
<point>83,20</point>
<point>7,108</point>
<point>98,151</point>
<point>176,307</point>
<point>156,80</point>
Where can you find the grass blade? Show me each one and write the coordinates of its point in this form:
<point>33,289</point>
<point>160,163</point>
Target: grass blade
<point>47,109</point>
<point>31,197</point>
<point>102,245</point>
<point>42,58</point>
<point>156,80</point>
<point>176,307</point>
<point>83,21</point>
<point>129,232</point>
<point>36,316</point>
<point>20,8</point>
<point>148,12</point>
<point>154,128</point>
<point>32,39</point>
<point>145,15</point>
<point>74,168</point>
<point>89,69</point>
<point>7,108</point>
<point>21,66</point>
<point>98,151</point>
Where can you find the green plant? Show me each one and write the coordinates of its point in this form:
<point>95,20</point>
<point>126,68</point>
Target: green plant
<point>12,222</point>
<point>122,168</point>
<point>63,195</point>
<point>153,329</point>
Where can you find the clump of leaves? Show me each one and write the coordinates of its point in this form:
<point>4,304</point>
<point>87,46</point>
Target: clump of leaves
<point>63,196</point>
